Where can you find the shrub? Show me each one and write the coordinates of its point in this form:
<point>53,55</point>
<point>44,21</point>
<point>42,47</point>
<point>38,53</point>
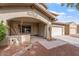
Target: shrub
<point>3,30</point>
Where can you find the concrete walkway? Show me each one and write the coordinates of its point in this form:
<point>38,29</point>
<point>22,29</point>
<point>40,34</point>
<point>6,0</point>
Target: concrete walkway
<point>48,44</point>
<point>52,44</point>
<point>72,40</point>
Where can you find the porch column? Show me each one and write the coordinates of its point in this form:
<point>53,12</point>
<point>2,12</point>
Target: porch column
<point>48,32</point>
<point>21,23</point>
<point>45,31</point>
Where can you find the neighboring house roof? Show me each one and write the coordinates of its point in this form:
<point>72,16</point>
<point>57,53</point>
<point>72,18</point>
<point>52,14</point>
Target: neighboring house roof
<point>63,23</point>
<point>40,6</point>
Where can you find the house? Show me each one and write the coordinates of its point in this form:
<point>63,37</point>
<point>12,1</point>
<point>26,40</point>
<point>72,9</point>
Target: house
<point>27,18</point>
<point>73,28</point>
<point>60,28</point>
<point>64,28</point>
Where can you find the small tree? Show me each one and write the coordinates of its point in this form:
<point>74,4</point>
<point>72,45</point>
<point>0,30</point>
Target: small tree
<point>3,30</point>
<point>76,5</point>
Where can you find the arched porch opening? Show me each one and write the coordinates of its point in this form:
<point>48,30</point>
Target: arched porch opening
<point>27,25</point>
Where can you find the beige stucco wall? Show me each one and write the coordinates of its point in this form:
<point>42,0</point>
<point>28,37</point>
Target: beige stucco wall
<point>34,29</point>
<point>9,13</point>
<point>73,28</point>
<point>41,29</point>
<point>18,39</point>
<point>12,12</point>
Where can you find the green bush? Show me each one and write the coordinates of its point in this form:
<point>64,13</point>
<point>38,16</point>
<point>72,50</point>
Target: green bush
<point>3,30</point>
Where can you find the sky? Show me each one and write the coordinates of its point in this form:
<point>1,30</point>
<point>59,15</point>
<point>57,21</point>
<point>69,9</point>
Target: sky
<point>65,14</point>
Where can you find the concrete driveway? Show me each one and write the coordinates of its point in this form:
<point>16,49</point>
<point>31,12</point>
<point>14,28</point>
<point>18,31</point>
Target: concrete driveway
<point>57,41</point>
<point>72,40</point>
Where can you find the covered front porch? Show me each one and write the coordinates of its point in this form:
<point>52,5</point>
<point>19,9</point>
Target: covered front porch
<point>28,25</point>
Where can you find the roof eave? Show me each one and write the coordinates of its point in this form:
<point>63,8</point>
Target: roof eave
<point>45,11</point>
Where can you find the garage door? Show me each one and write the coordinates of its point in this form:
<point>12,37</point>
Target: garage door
<point>73,31</point>
<point>57,31</point>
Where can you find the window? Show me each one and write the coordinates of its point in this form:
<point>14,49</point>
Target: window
<point>26,29</point>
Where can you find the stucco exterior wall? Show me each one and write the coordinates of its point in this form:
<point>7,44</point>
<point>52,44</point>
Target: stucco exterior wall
<point>37,29</point>
<point>41,29</point>
<point>73,28</point>
<point>9,13</point>
<point>34,29</point>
